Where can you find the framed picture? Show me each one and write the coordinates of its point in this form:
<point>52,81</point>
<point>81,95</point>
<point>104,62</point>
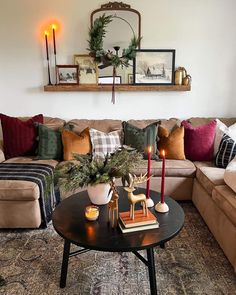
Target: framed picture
<point>109,80</point>
<point>67,74</point>
<point>88,70</point>
<point>130,79</point>
<point>154,66</point>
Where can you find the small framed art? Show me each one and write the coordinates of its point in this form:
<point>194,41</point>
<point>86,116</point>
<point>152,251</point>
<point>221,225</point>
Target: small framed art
<point>154,66</point>
<point>67,74</point>
<point>109,80</point>
<point>88,70</point>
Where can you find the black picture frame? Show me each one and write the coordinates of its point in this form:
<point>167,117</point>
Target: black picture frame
<point>154,67</point>
<point>67,74</point>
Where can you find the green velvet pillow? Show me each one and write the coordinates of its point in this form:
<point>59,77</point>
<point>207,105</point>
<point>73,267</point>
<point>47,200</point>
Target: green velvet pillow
<point>141,138</point>
<point>50,143</point>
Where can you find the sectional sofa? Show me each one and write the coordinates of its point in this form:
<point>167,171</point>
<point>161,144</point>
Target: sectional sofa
<point>208,187</point>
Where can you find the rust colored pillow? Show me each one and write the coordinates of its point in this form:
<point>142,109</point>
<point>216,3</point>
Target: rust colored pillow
<point>75,143</point>
<point>172,142</point>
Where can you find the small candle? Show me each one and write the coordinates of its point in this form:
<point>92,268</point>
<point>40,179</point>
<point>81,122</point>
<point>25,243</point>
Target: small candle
<point>163,176</point>
<point>149,151</point>
<point>54,27</point>
<point>46,41</point>
<point>92,212</point>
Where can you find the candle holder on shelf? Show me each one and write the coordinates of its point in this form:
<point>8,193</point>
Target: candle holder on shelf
<point>91,212</point>
<point>162,207</point>
<point>54,27</point>
<point>47,53</point>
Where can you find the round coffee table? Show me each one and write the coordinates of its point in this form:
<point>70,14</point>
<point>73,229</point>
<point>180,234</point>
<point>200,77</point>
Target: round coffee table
<point>70,223</point>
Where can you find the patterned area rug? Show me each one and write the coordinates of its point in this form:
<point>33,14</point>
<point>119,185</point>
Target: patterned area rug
<point>192,263</point>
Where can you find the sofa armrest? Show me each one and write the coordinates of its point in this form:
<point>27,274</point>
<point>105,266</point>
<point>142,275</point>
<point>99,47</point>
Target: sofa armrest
<point>2,156</point>
<point>230,175</point>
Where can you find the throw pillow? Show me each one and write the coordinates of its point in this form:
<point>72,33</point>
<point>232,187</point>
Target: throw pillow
<point>226,153</point>
<point>140,139</point>
<point>172,142</point>
<point>50,144</point>
<point>222,129</point>
<point>199,141</point>
<point>104,143</point>
<point>230,175</point>
<point>75,143</point>
<point>19,137</point>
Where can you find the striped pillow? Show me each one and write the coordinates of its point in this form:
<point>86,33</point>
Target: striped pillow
<point>226,152</point>
<point>104,143</point>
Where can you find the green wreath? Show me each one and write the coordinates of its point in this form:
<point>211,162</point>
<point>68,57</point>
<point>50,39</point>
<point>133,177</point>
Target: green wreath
<point>96,35</point>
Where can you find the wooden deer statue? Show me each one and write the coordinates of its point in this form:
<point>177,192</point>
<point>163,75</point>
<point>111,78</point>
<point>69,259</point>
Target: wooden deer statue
<point>133,199</point>
<point>113,206</point>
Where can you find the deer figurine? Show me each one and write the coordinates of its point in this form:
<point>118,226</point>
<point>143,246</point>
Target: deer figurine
<point>113,205</point>
<point>133,199</point>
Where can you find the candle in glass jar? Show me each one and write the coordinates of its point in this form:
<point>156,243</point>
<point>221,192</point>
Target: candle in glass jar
<point>91,213</point>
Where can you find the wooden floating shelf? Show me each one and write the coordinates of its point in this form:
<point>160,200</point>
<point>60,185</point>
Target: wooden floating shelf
<point>121,87</point>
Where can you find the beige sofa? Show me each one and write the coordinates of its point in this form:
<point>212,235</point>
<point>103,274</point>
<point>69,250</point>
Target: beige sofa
<point>201,182</point>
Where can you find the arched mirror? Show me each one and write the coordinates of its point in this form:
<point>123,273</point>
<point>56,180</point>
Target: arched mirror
<point>126,23</point>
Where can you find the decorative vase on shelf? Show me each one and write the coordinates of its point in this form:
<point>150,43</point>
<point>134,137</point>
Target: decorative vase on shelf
<point>98,194</point>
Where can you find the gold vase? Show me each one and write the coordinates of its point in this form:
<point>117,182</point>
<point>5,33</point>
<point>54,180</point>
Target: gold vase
<point>178,76</point>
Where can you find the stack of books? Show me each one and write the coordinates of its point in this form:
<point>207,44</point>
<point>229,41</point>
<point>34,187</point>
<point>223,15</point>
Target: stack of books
<point>140,222</point>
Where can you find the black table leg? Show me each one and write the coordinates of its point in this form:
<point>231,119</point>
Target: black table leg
<point>64,266</point>
<point>151,270</point>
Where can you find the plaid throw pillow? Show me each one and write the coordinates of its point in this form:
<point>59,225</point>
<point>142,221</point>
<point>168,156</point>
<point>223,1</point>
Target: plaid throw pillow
<point>226,152</point>
<point>104,143</point>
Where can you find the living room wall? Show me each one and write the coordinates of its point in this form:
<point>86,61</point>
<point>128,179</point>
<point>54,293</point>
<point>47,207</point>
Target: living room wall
<point>202,32</point>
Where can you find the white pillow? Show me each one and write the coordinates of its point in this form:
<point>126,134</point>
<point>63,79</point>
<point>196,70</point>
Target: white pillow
<point>230,175</point>
<point>221,128</point>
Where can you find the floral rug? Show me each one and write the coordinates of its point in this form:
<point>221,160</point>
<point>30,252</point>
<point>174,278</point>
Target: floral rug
<point>192,263</point>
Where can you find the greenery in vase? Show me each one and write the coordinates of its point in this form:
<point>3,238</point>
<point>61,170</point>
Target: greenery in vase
<point>88,171</point>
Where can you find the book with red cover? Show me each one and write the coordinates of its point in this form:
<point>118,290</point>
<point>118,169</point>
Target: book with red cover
<point>139,219</point>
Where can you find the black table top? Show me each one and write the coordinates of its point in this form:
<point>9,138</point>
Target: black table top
<point>70,223</point>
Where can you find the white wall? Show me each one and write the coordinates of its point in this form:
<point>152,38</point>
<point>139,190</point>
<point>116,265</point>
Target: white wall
<point>202,32</point>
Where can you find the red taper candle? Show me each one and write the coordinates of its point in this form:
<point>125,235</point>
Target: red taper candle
<point>163,176</point>
<point>54,38</point>
<point>149,151</point>
<point>46,41</point>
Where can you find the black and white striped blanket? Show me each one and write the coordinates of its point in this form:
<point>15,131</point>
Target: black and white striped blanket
<point>41,174</point>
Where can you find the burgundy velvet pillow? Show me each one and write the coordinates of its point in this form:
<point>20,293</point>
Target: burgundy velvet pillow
<point>19,137</point>
<point>199,141</point>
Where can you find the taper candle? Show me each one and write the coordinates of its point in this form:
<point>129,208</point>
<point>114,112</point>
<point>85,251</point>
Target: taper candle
<point>163,176</point>
<point>54,27</point>
<point>149,151</point>
<point>46,41</point>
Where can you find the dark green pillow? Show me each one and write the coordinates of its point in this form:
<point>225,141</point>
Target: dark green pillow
<point>141,138</point>
<point>50,144</point>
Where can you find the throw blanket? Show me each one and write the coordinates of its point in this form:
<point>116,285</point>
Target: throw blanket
<point>42,175</point>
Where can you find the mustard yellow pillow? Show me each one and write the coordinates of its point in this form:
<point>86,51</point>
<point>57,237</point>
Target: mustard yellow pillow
<point>172,142</point>
<point>75,143</point>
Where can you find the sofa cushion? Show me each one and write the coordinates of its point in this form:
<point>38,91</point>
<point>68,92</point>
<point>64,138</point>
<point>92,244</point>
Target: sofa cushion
<point>104,143</point>
<point>75,143</point>
<point>174,168</point>
<point>230,175</point>
<point>225,199</point>
<point>172,142</point>
<point>50,144</point>
<point>19,137</point>
<point>209,177</point>
<point>199,141</point>
<point>140,139</point>
<point>166,123</point>
<point>30,160</point>
<point>18,190</point>
<point>226,152</point>
<point>104,125</point>
<point>198,121</point>
<point>53,123</point>
<point>2,156</point>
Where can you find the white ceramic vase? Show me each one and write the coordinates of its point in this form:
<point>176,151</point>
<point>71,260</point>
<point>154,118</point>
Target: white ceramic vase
<point>98,193</point>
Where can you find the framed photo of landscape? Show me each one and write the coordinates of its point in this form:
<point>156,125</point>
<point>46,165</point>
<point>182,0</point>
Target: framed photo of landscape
<point>67,74</point>
<point>154,66</point>
<point>88,70</point>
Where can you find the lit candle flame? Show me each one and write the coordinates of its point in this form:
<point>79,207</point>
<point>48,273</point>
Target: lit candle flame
<point>163,153</point>
<point>149,149</point>
<point>54,27</point>
<point>46,33</point>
